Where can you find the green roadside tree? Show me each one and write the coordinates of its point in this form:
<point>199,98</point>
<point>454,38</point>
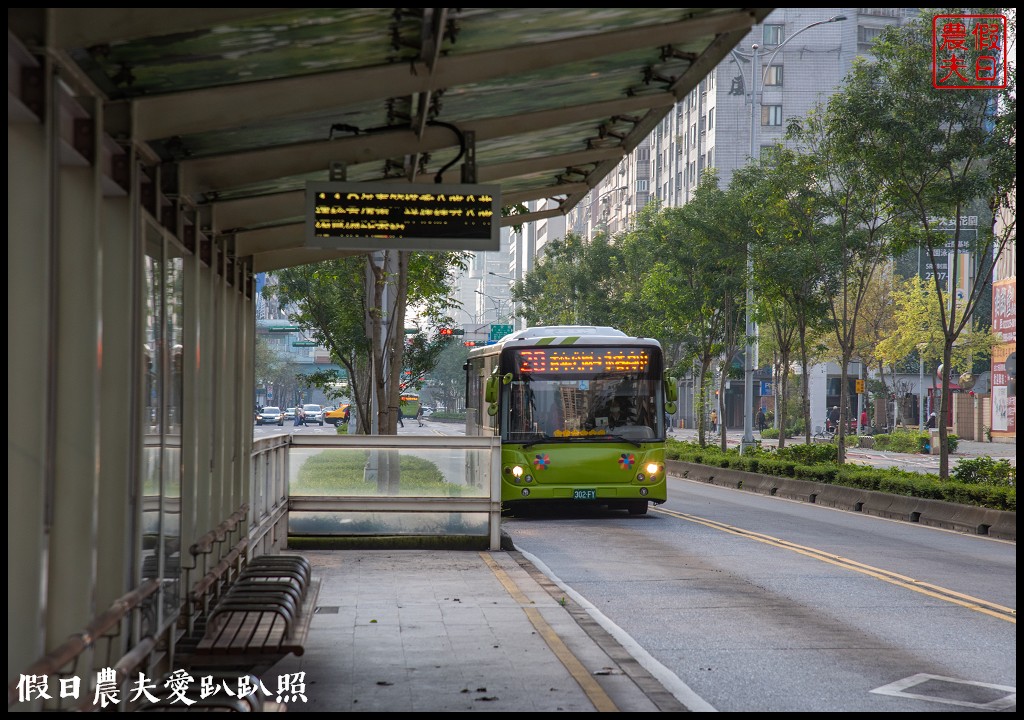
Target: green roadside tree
<point>877,322</point>
<point>936,152</point>
<point>447,379</point>
<point>918,328</point>
<point>704,301</point>
<point>790,258</point>
<point>857,231</point>
<point>571,283</point>
<point>331,302</point>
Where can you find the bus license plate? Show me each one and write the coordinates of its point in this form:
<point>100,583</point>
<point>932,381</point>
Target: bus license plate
<point>584,494</point>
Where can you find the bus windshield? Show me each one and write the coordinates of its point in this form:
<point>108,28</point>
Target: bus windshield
<point>582,393</point>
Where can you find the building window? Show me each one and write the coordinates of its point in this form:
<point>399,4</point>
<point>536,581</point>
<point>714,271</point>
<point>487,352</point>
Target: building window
<point>774,34</point>
<point>867,35</point>
<point>773,76</point>
<point>641,185</point>
<point>711,157</point>
<point>711,119</point>
<point>771,115</point>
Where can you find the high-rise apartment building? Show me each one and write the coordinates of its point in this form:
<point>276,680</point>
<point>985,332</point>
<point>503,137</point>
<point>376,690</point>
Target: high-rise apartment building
<point>800,58</point>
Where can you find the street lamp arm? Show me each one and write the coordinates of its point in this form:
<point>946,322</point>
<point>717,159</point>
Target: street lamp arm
<point>771,58</point>
<point>751,328</point>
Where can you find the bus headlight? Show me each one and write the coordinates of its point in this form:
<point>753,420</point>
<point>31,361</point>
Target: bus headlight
<point>526,492</point>
<point>640,477</point>
<point>528,478</point>
<point>652,469</point>
<point>517,471</point>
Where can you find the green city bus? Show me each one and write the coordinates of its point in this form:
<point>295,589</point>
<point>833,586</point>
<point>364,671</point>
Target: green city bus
<point>580,411</point>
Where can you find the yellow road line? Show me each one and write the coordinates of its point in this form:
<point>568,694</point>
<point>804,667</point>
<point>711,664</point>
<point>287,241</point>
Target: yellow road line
<point>590,686</point>
<point>934,591</point>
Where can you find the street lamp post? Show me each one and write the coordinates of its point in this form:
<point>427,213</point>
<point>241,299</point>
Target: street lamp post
<point>498,303</point>
<point>511,303</point>
<point>751,330</point>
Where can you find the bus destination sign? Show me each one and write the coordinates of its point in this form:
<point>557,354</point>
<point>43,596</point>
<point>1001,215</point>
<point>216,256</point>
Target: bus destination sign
<point>402,216</point>
<point>585,360</point>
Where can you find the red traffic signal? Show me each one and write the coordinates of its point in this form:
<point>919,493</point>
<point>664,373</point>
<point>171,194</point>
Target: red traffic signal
<point>445,331</point>
<point>470,343</point>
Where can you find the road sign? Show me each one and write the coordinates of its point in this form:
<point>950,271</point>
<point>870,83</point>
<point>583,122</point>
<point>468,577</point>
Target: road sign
<point>859,386</point>
<point>499,331</point>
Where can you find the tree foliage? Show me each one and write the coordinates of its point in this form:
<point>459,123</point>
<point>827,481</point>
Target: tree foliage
<point>936,152</point>
<point>361,321</point>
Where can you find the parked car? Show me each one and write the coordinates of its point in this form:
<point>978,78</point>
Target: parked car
<point>270,415</point>
<point>336,417</point>
<point>312,414</point>
<point>289,413</point>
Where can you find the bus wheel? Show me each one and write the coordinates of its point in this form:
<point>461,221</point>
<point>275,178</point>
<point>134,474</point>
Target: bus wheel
<point>637,507</point>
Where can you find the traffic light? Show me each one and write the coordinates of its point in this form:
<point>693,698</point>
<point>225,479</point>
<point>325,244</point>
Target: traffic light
<point>447,331</point>
<point>469,343</point>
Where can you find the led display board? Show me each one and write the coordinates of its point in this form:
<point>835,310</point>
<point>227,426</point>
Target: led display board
<point>581,360</point>
<point>402,216</point>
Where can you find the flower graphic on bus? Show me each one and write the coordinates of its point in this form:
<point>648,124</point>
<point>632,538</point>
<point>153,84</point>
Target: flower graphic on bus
<point>541,461</point>
<point>626,461</point>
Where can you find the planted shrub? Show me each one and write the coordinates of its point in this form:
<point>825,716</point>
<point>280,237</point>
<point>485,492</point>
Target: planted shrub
<point>982,482</point>
<point>811,454</point>
<point>985,471</point>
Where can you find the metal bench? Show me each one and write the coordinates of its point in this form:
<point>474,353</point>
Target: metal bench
<point>246,613</point>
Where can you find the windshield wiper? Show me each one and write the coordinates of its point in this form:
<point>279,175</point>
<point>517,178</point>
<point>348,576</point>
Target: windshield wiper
<point>537,438</point>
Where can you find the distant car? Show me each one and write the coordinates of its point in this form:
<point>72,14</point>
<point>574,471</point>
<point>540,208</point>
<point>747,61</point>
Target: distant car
<point>270,415</point>
<point>336,417</point>
<point>289,413</point>
<point>312,414</point>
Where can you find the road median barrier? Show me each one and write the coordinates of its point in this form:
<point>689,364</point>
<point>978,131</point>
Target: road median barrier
<point>965,519</point>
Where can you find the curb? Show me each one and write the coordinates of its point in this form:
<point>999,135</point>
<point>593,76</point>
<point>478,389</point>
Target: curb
<point>1000,524</point>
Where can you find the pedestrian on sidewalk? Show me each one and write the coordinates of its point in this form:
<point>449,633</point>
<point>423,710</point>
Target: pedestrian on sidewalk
<point>760,419</point>
<point>714,421</point>
<point>419,415</point>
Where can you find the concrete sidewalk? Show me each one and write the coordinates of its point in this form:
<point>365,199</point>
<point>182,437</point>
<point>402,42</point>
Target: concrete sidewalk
<point>458,631</point>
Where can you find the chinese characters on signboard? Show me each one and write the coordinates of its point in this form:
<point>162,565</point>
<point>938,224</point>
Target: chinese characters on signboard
<point>969,52</point>
<point>392,216</point>
<point>1004,324</point>
<point>543,361</point>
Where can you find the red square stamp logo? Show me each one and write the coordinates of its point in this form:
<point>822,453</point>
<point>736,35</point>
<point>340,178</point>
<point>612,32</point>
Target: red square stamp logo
<point>969,52</point>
